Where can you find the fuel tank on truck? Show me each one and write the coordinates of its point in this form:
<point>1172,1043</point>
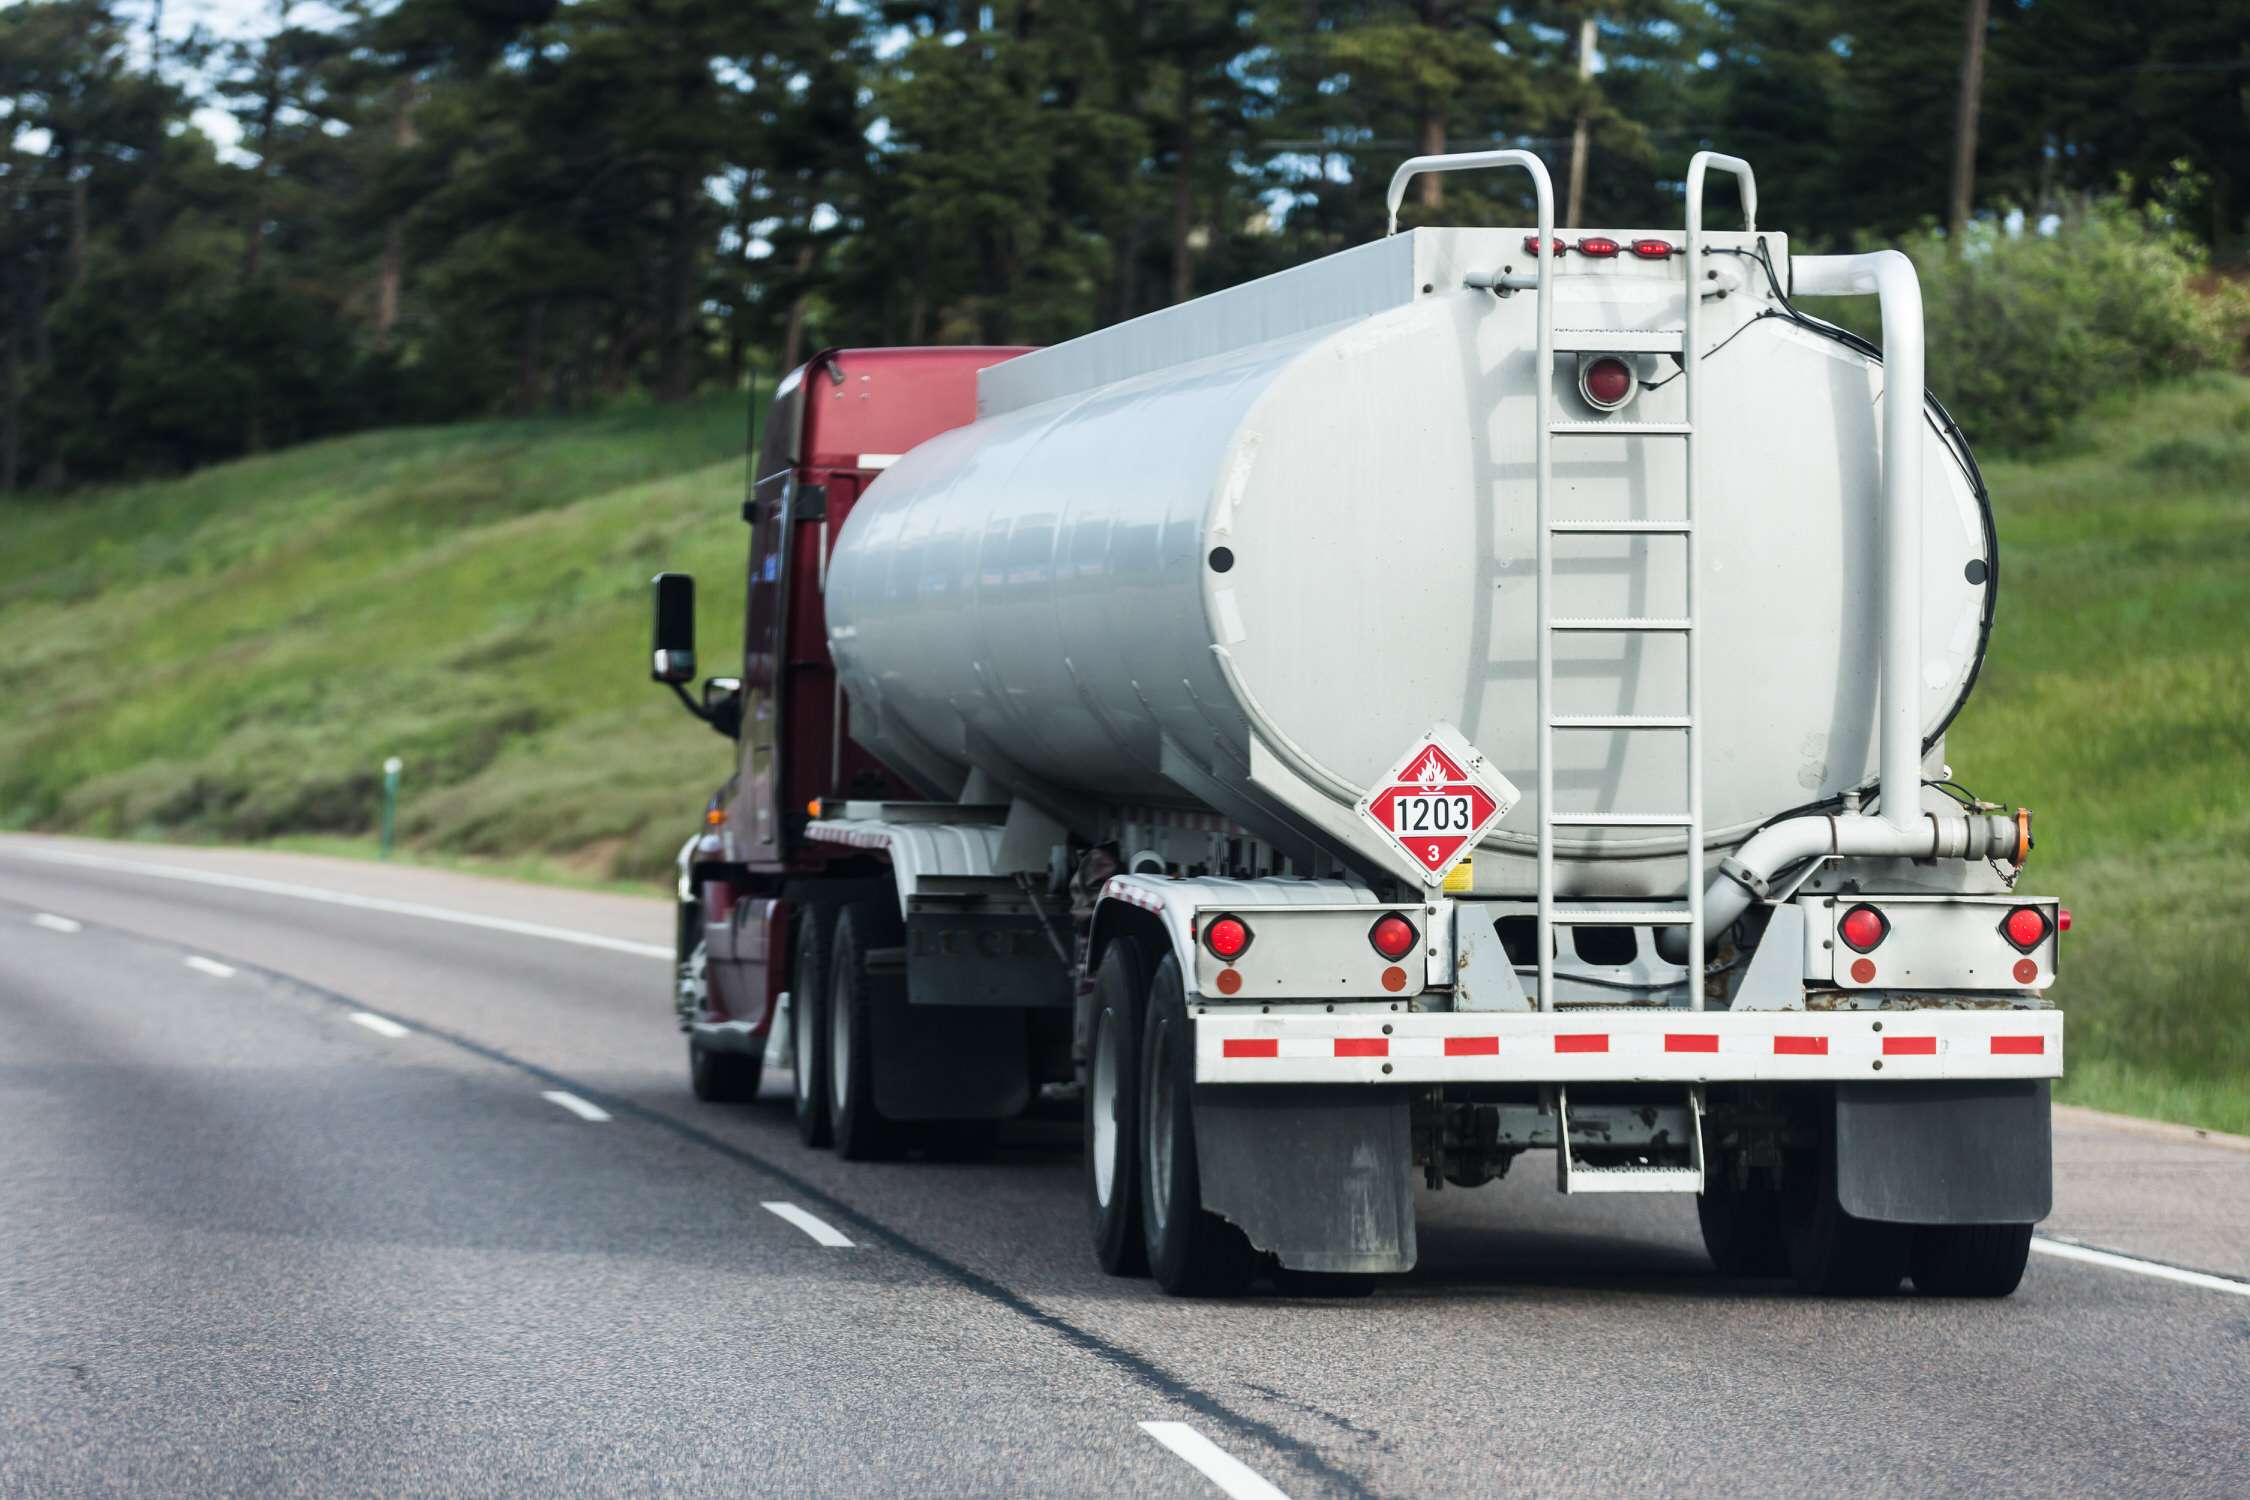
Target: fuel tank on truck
<point>1258,543</point>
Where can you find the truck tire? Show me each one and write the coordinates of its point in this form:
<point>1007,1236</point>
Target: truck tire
<point>723,1077</point>
<point>1112,1110</point>
<point>808,1027</point>
<point>1970,1260</point>
<point>861,1132</point>
<point>1831,1253</point>
<point>1742,1227</point>
<point>1192,1252</point>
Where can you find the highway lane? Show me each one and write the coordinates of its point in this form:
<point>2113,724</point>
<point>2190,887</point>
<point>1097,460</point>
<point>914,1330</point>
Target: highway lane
<point>257,1246</point>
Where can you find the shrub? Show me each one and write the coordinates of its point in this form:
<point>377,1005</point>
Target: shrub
<point>2026,328</point>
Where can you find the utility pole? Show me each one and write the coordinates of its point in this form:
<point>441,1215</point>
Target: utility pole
<point>1576,200</point>
<point>1965,123</point>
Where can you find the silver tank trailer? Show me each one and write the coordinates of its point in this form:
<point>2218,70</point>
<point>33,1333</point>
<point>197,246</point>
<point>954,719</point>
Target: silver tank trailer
<point>1266,539</point>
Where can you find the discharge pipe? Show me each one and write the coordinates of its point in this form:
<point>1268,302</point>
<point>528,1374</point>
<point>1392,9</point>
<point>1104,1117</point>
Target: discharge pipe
<point>1902,830</point>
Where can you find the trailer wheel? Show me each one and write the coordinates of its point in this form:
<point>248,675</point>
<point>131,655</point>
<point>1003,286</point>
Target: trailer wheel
<point>1831,1253</point>
<point>1970,1260</point>
<point>1191,1251</point>
<point>1112,1109</point>
<point>862,1134</point>
<point>723,1077</point>
<point>808,1027</point>
<point>1742,1227</point>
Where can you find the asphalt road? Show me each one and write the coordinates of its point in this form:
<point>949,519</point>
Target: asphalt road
<point>286,1206</point>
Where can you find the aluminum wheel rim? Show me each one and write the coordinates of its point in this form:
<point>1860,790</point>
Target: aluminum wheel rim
<point>1105,1108</point>
<point>839,1049</point>
<point>800,1048</point>
<point>1158,1127</point>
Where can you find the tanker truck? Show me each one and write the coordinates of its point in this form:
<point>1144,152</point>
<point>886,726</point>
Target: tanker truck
<point>1483,692</point>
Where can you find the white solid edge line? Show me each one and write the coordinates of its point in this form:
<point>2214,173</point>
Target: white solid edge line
<point>340,898</point>
<point>575,1105</point>
<point>381,1025</point>
<point>1234,1477</point>
<point>2066,1250</point>
<point>818,1229</point>
<point>53,923</point>
<point>210,966</point>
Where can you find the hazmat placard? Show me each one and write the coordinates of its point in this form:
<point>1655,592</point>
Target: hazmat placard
<point>1440,798</point>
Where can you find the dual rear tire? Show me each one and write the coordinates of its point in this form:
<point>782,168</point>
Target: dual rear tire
<point>1802,1232</point>
<point>1143,1190</point>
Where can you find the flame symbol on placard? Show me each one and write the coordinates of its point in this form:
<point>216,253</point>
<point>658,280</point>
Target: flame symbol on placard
<point>1430,776</point>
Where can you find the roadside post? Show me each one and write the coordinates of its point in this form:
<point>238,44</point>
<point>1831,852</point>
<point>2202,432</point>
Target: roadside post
<point>391,768</point>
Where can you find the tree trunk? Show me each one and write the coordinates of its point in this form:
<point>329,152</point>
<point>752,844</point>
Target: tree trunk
<point>1429,135</point>
<point>1575,206</point>
<point>793,338</point>
<point>678,296</point>
<point>1965,122</point>
<point>391,278</point>
<point>269,110</point>
<point>77,231</point>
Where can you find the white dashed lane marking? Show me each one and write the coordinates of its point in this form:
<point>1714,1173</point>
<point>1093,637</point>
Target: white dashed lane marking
<point>1234,1478</point>
<point>382,1026</point>
<point>210,966</point>
<point>575,1105</point>
<point>53,923</point>
<point>819,1230</point>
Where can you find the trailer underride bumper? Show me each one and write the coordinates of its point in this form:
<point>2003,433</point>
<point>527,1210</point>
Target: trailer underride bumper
<point>1654,1046</point>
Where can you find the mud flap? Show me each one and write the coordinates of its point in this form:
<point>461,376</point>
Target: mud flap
<point>947,1063</point>
<point>1945,1153</point>
<point>1320,1176</point>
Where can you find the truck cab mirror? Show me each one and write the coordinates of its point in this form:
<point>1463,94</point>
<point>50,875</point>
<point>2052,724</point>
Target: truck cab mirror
<point>722,705</point>
<point>672,650</point>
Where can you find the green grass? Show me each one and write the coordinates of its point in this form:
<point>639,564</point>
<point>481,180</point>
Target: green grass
<point>230,657</point>
<point>2116,704</point>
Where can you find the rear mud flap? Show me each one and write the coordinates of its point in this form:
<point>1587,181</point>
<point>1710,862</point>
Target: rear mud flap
<point>1321,1177</point>
<point>947,1062</point>
<point>1945,1153</point>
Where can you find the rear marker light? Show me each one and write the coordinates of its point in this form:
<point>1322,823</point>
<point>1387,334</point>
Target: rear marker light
<point>2062,919</point>
<point>1393,936</point>
<point>1652,249</point>
<point>1597,246</point>
<point>1606,382</point>
<point>2025,928</point>
<point>1531,245</point>
<point>1227,938</point>
<point>1864,928</point>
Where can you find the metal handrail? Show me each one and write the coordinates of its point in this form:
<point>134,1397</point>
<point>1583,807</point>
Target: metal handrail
<point>1691,360</point>
<point>1470,161</point>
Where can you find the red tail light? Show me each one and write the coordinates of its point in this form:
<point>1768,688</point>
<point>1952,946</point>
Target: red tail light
<point>2062,919</point>
<point>1393,936</point>
<point>2025,928</point>
<point>1598,246</point>
<point>1864,928</point>
<point>1652,249</point>
<point>1226,937</point>
<point>1606,382</point>
<point>1531,245</point>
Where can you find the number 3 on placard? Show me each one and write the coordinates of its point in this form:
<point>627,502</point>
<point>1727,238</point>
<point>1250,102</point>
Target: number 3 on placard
<point>1434,855</point>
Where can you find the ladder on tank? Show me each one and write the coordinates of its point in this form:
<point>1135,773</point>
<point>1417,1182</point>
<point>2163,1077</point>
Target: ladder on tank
<point>1689,820</point>
<point>1684,1171</point>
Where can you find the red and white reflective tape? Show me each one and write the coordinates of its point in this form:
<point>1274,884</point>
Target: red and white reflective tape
<point>1122,889</point>
<point>1655,1047</point>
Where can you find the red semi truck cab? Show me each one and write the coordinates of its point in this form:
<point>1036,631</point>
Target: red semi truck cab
<point>834,424</point>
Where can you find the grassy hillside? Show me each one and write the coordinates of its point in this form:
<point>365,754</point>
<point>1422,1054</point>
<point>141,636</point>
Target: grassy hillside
<point>232,655</point>
<point>2116,704</point>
